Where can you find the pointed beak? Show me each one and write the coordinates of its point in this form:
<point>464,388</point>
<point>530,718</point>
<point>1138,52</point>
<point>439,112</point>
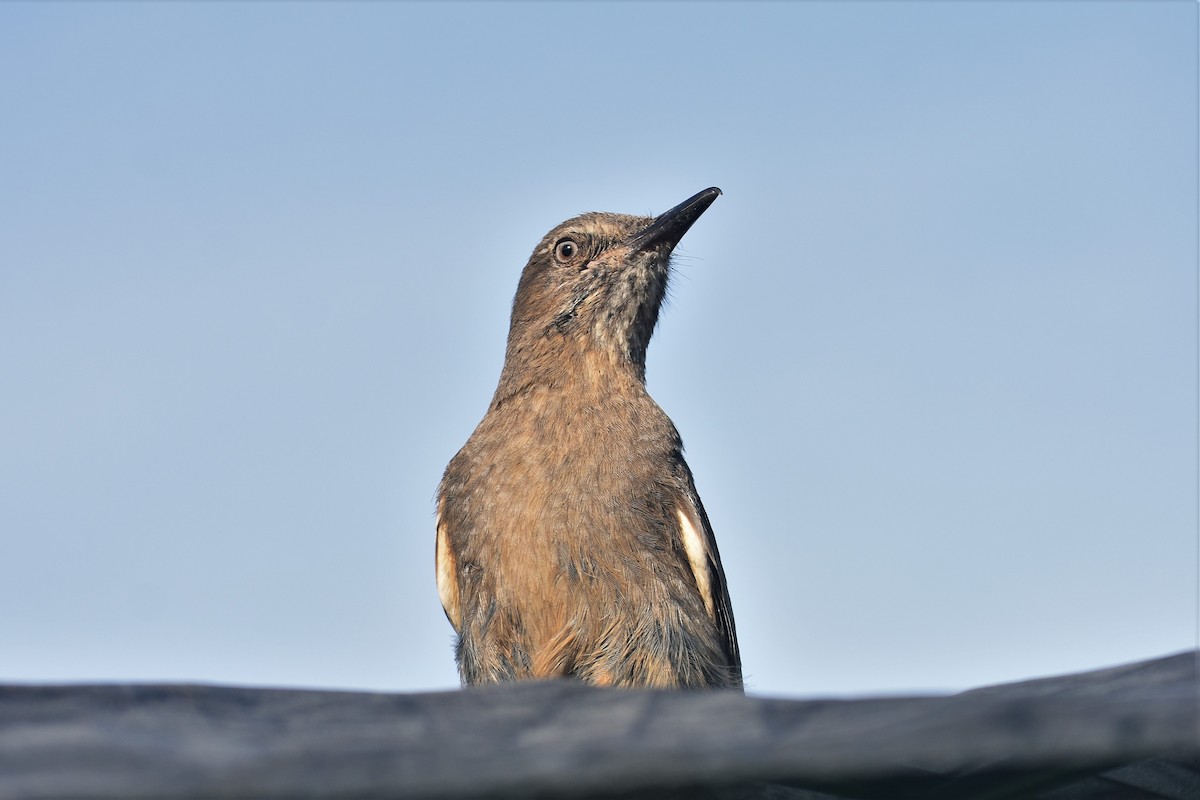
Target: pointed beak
<point>670,226</point>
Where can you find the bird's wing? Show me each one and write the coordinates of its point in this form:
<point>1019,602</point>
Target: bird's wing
<point>446,566</point>
<point>701,548</point>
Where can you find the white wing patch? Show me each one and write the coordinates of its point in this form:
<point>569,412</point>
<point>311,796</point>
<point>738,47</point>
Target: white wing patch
<point>697,554</point>
<point>447,582</point>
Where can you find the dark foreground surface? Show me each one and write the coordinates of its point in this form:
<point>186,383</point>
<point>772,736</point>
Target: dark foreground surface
<point>1125,732</point>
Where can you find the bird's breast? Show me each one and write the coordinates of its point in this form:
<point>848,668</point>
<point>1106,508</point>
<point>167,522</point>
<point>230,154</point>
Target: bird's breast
<point>564,497</point>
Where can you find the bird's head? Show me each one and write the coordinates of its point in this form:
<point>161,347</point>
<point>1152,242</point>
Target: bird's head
<point>594,285</point>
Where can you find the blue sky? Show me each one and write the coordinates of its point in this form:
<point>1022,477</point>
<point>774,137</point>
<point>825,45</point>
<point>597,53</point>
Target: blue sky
<point>933,352</point>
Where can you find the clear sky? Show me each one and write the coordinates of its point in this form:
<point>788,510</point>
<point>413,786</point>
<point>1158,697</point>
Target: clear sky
<point>933,352</point>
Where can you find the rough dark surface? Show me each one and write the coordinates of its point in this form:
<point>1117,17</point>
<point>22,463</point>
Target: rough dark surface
<point>1127,732</point>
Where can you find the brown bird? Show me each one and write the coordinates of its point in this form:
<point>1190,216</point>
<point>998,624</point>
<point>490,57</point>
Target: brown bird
<point>570,538</point>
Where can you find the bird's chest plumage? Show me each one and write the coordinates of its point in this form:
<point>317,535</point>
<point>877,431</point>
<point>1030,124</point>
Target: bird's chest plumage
<point>562,512</point>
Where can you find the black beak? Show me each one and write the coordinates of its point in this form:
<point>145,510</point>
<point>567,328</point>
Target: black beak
<point>670,226</point>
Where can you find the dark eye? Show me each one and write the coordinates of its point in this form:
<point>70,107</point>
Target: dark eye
<point>565,250</point>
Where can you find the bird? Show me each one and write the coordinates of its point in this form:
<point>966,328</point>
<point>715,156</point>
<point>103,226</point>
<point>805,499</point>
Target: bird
<point>571,542</point>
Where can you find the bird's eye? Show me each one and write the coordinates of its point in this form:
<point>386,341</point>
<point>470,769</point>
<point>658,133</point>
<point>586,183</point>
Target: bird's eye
<point>566,250</point>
